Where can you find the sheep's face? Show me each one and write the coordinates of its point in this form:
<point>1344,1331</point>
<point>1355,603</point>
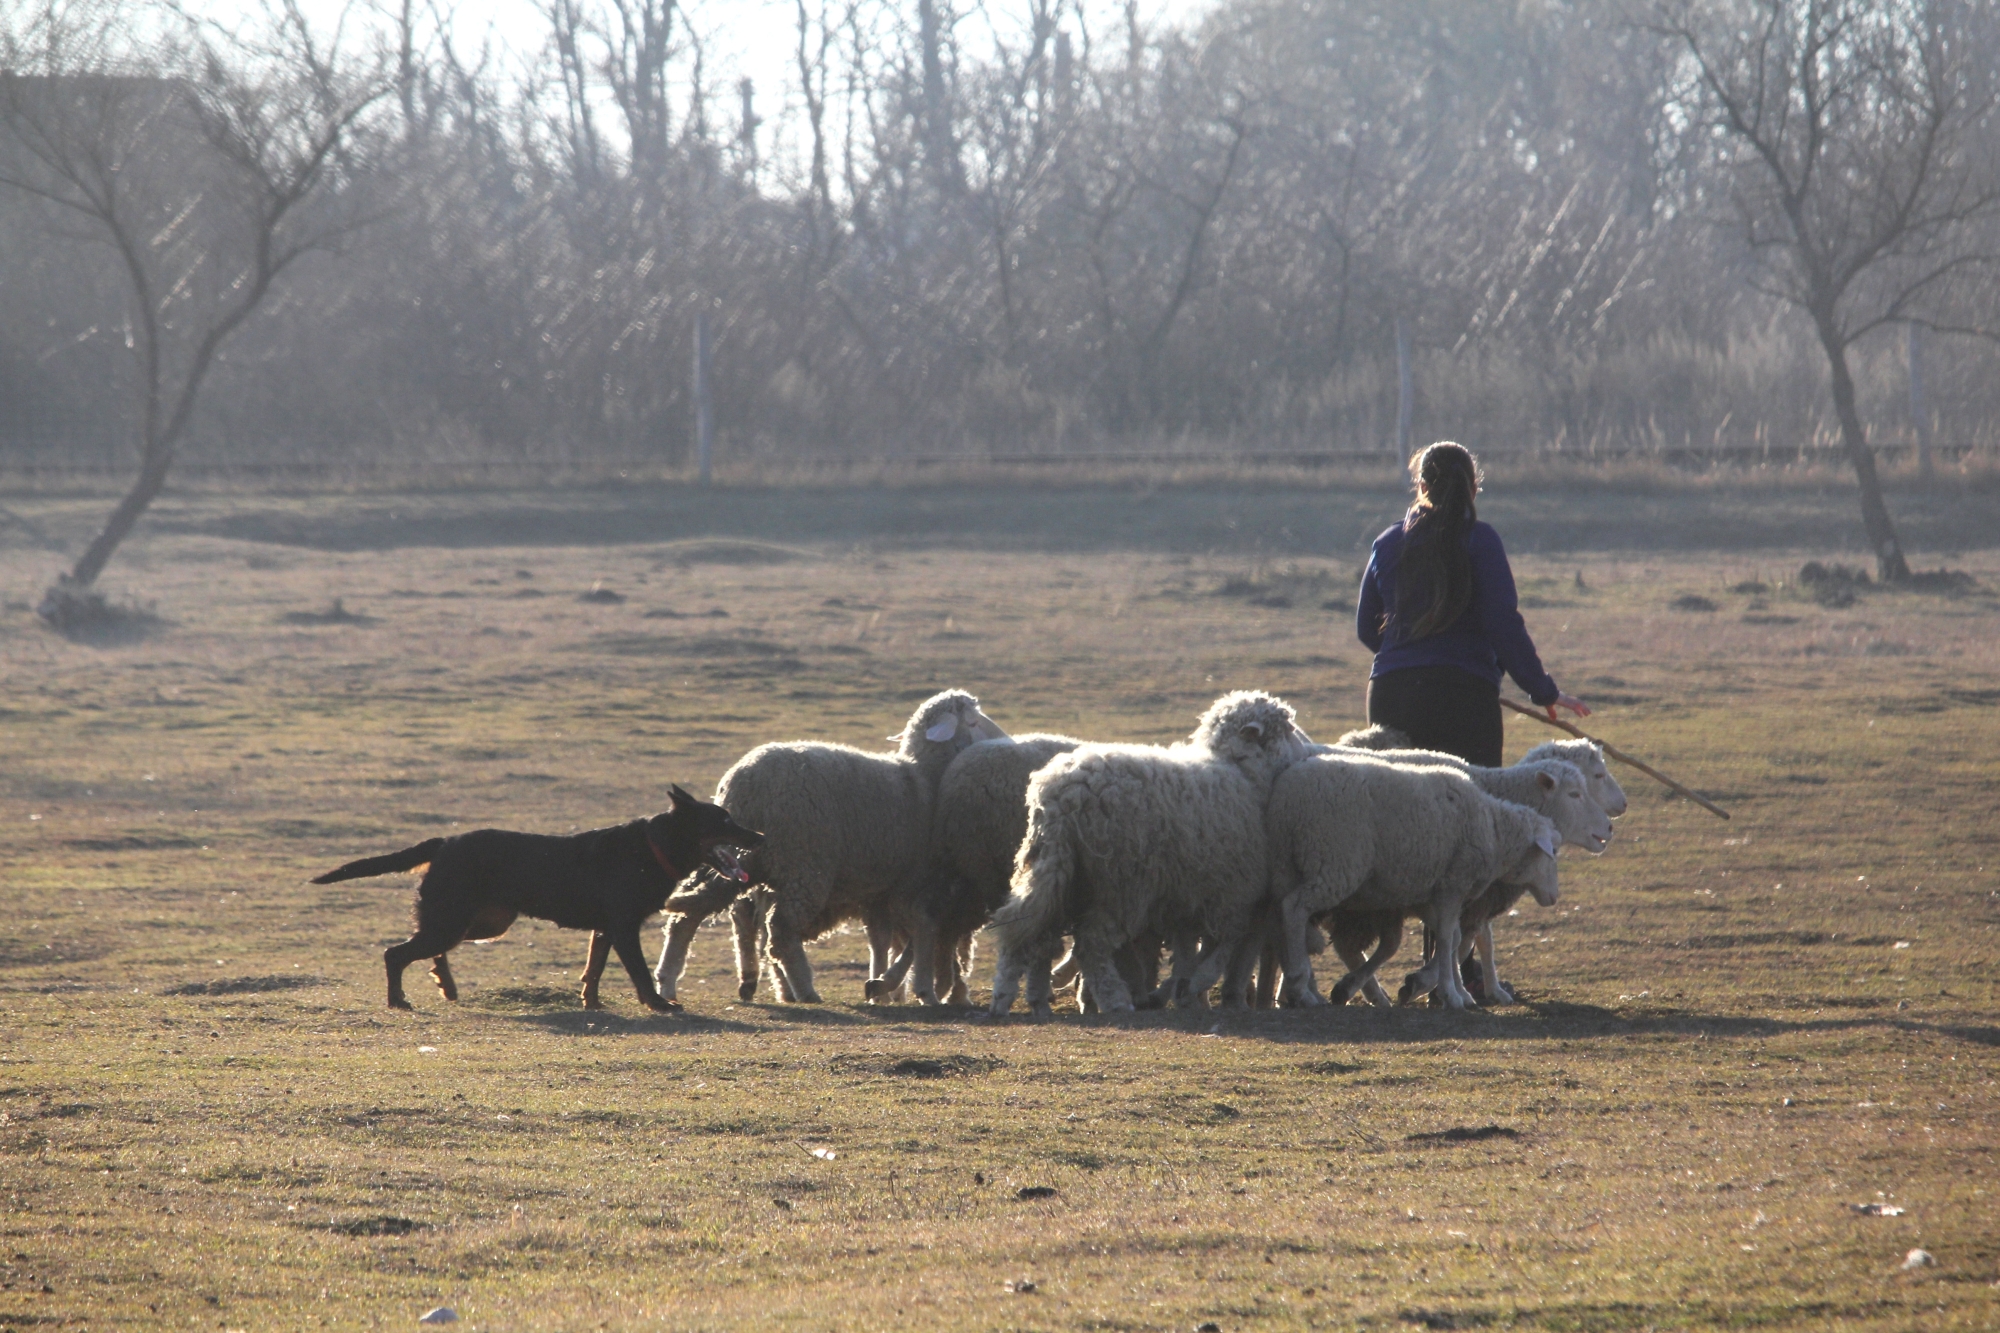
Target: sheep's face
<point>1536,871</point>
<point>1589,757</point>
<point>952,719</point>
<point>1567,800</point>
<point>1250,725</point>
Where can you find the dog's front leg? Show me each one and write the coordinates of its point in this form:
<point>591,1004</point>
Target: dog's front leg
<point>593,968</point>
<point>625,939</point>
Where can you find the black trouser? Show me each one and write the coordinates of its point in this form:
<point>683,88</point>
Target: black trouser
<point>1442,708</point>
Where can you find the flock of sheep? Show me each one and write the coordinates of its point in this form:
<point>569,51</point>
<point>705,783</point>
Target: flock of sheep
<point>1237,853</point>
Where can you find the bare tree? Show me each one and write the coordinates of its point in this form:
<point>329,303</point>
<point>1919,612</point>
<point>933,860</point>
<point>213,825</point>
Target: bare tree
<point>1861,140</point>
<point>201,184</point>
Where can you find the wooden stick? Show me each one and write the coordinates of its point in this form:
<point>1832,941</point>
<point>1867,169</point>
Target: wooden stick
<point>1617,754</point>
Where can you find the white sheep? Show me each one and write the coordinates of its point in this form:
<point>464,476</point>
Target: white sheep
<point>980,818</point>
<point>1588,756</point>
<point>1351,830</point>
<point>1352,933</point>
<point>847,835</point>
<point>1127,838</point>
<point>1552,787</point>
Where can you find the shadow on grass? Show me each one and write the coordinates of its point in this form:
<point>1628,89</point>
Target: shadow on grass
<point>1530,1021</point>
<point>611,1023</point>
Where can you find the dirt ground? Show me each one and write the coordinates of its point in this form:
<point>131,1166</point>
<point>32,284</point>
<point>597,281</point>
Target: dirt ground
<point>1734,1037</point>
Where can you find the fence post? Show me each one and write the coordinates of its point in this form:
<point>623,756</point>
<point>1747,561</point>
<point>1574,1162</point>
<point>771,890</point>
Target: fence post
<point>704,410</point>
<point>1403,389</point>
<point>1919,408</point>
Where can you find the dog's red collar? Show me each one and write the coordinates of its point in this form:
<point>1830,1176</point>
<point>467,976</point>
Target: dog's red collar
<point>661,856</point>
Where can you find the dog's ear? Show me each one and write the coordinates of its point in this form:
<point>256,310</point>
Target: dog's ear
<point>676,798</point>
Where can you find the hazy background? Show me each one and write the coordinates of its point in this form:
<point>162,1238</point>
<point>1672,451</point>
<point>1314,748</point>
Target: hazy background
<point>953,227</point>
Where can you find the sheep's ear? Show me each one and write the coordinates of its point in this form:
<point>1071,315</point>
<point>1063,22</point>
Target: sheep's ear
<point>1545,781</point>
<point>1548,840</point>
<point>943,729</point>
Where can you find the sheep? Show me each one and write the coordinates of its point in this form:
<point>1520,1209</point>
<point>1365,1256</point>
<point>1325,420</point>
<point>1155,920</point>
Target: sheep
<point>849,834</point>
<point>1354,932</point>
<point>1347,830</point>
<point>1552,787</point>
<point>1123,838</point>
<point>979,820</point>
<point>1375,736</point>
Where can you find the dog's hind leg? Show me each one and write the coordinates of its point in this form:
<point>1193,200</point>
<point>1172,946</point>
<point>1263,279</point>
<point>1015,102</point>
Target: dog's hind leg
<point>593,968</point>
<point>441,974</point>
<point>430,941</point>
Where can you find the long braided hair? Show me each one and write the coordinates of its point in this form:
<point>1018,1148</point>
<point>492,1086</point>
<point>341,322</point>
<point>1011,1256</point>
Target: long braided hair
<point>1434,582</point>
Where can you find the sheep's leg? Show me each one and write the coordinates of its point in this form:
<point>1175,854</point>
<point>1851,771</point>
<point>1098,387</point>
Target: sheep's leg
<point>746,923</point>
<point>881,939</point>
<point>1385,948</point>
<point>961,974</point>
<point>1066,971</point>
<point>1041,996</point>
<point>679,934</point>
<point>1094,955</point>
<point>1144,953</point>
<point>1352,949</point>
<point>1187,956</point>
<point>1294,916</point>
<point>1450,985</point>
<point>921,959</point>
<point>788,954</point>
<point>1497,992</point>
<point>891,981</point>
<point>1008,967</point>
<point>1241,959</point>
<point>1270,961</point>
<point>1130,960</point>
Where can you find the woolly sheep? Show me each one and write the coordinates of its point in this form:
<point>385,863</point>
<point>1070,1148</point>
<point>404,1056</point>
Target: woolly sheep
<point>1350,830</point>
<point>1125,838</point>
<point>1588,756</point>
<point>1552,787</point>
<point>848,833</point>
<point>980,818</point>
<point>1547,785</point>
<point>1354,932</point>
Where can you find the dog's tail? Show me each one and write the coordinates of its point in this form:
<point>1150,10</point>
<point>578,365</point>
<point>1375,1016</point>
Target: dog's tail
<point>407,859</point>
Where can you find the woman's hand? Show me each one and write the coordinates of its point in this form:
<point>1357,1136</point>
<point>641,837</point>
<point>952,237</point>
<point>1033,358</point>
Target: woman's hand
<point>1575,705</point>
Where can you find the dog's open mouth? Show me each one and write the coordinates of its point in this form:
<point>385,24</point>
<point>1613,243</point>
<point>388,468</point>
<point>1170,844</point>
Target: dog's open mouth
<point>723,857</point>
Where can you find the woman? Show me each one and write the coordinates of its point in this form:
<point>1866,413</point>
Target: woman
<point>1439,612</point>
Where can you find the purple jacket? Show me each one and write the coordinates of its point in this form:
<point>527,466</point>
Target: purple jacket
<point>1488,637</point>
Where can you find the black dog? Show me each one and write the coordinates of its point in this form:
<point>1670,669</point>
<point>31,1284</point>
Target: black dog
<point>608,880</point>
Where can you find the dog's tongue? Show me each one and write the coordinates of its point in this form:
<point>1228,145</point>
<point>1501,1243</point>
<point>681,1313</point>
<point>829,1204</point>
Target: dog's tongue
<point>725,860</point>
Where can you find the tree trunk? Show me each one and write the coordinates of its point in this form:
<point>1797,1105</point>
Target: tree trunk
<point>152,480</point>
<point>1890,566</point>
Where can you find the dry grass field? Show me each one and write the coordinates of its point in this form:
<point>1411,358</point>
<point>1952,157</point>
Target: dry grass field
<point>1733,1034</point>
